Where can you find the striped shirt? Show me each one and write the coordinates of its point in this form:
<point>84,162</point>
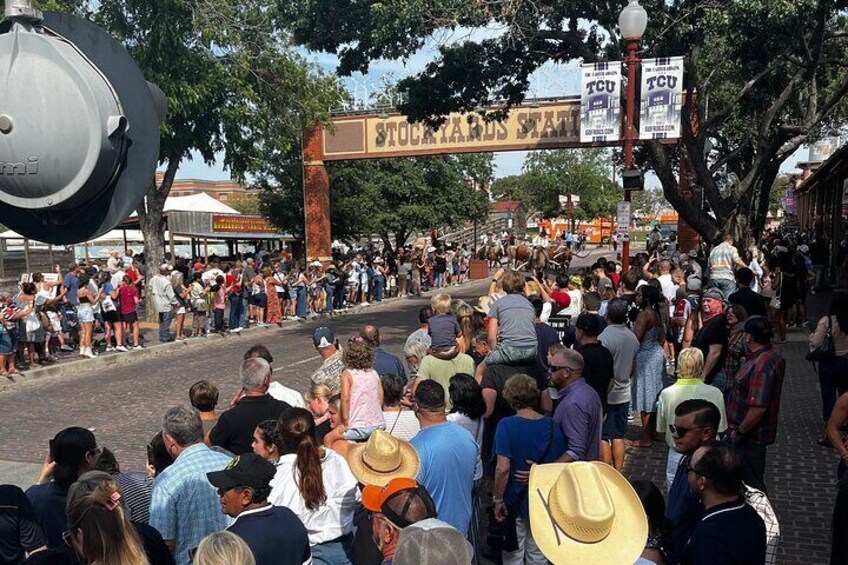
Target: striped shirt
<point>722,259</point>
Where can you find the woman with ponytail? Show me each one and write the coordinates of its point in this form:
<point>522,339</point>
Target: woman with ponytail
<point>317,485</point>
<point>98,529</point>
<point>72,452</point>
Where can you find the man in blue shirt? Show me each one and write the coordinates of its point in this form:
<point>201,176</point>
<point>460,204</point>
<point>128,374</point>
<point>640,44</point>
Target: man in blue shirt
<point>275,534</point>
<point>71,284</point>
<point>184,507</point>
<point>695,423</point>
<point>579,413</point>
<point>448,456</point>
<point>384,362</point>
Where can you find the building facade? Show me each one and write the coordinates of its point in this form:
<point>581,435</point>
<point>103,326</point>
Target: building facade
<point>225,191</point>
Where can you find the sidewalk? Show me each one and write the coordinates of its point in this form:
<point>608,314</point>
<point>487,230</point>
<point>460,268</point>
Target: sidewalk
<point>800,474</point>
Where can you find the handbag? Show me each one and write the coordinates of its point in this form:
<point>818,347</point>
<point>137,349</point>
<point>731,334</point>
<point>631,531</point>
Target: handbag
<point>826,351</point>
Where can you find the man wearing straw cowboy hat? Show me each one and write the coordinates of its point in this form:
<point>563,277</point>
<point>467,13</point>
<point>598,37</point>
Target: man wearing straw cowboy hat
<point>585,513</point>
<point>382,458</point>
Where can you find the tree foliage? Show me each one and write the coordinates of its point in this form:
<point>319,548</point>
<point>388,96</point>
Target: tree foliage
<point>234,86</point>
<point>772,72</point>
<point>391,198</point>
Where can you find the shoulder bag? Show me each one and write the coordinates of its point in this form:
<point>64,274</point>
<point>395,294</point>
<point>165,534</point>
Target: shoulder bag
<point>826,351</point>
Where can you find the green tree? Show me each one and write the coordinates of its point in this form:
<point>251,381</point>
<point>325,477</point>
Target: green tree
<point>391,198</point>
<point>247,204</point>
<point>648,203</point>
<point>771,72</point>
<point>234,86</point>
<point>512,187</point>
<point>550,173</point>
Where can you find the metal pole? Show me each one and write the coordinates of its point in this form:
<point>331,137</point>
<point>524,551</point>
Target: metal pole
<point>632,61</point>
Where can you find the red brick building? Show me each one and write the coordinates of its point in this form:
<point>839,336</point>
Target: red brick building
<point>222,190</point>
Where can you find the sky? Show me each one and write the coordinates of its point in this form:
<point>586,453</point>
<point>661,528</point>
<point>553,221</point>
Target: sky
<point>550,80</point>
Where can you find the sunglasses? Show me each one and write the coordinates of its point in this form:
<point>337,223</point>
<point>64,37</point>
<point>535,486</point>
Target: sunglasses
<point>680,431</point>
<point>555,368</point>
<point>691,469</point>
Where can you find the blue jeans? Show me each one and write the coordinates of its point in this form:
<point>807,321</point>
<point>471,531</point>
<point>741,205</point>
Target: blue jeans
<point>165,319</point>
<point>833,378</point>
<point>300,307</point>
<point>379,285</point>
<point>236,309</point>
<point>438,279</point>
<point>243,321</point>
<point>336,552</point>
<point>328,301</point>
<point>727,287</point>
<point>820,271</point>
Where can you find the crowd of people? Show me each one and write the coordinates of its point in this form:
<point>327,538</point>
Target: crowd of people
<point>49,319</point>
<point>496,435</point>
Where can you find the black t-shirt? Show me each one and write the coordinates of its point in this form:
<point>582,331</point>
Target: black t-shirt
<point>365,550</point>
<point>495,377</point>
<point>48,502</point>
<point>545,337</point>
<point>234,430</point>
<point>599,369</point>
<point>19,529</point>
<point>275,535</point>
<point>441,265</point>
<point>753,302</point>
<point>728,533</point>
<point>713,332</point>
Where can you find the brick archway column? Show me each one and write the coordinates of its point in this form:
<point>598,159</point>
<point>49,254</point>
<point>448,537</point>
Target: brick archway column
<point>316,198</point>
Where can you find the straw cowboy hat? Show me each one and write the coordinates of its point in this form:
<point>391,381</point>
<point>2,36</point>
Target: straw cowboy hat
<point>382,458</point>
<point>483,305</point>
<point>585,513</point>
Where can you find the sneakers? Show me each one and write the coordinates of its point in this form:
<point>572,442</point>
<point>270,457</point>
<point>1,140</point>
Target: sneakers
<point>236,330</point>
<point>109,348</point>
<point>121,348</point>
<point>364,304</point>
<point>137,347</point>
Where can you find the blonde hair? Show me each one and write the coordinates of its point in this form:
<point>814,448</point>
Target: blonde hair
<point>318,390</point>
<point>441,303</point>
<point>95,509</point>
<point>223,548</point>
<point>690,362</point>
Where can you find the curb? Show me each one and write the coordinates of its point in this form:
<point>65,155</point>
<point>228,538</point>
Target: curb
<point>134,356</point>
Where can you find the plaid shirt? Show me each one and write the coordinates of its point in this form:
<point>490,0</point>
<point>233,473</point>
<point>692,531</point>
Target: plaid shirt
<point>758,383</point>
<point>185,506</point>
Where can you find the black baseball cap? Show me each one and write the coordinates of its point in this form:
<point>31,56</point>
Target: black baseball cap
<point>248,470</point>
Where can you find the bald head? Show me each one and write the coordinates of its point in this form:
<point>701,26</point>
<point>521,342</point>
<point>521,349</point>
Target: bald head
<point>371,335</point>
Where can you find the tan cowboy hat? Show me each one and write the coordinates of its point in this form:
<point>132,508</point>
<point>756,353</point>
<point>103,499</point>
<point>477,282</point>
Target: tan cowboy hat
<point>382,458</point>
<point>483,304</point>
<point>585,513</point>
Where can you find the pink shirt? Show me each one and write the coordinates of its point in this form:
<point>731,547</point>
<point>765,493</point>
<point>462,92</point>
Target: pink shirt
<point>219,298</point>
<point>365,407</point>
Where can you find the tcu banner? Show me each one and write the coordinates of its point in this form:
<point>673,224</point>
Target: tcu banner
<point>600,102</point>
<point>662,97</point>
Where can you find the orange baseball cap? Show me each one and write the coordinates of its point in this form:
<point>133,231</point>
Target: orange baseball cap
<point>373,497</point>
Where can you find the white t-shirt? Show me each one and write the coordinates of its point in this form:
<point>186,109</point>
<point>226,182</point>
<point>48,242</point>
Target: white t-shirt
<point>475,428</point>
<point>402,425</point>
<point>332,519</point>
<point>208,277</point>
<point>286,394</point>
<point>576,307</point>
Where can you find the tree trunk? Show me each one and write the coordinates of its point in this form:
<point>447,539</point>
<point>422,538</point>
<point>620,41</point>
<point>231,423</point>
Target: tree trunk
<point>152,223</point>
<point>400,238</point>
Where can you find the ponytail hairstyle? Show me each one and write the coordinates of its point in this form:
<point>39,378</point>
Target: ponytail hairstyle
<point>467,325</point>
<point>94,508</point>
<point>70,450</point>
<point>297,435</point>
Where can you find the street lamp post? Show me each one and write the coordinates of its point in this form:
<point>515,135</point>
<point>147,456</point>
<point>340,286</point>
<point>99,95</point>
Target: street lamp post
<point>632,22</point>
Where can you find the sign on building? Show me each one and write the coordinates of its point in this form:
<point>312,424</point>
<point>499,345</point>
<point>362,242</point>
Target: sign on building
<point>600,102</point>
<point>662,98</point>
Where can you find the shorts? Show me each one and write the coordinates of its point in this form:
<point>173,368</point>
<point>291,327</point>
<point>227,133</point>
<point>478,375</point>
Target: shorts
<point>181,310</point>
<point>130,318</point>
<point>85,313</point>
<point>259,300</point>
<point>509,355</point>
<point>362,433</point>
<point>111,317</point>
<point>7,343</point>
<point>615,425</point>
